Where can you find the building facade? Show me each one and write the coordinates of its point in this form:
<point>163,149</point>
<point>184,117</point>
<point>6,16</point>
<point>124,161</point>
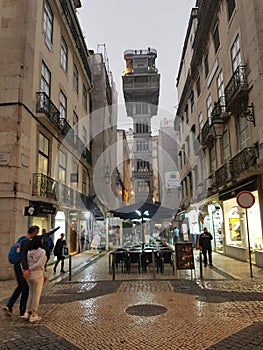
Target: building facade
<point>220,125</point>
<point>44,110</point>
<point>141,93</point>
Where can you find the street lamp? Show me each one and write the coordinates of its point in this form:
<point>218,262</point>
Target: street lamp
<point>142,214</point>
<point>218,125</point>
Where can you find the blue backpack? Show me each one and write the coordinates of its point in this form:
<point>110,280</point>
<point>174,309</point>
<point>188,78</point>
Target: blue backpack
<point>14,255</point>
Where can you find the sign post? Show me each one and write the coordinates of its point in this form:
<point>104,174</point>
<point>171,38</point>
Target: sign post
<point>246,200</point>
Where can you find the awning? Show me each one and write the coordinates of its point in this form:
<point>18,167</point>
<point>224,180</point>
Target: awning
<point>146,209</point>
<point>231,192</point>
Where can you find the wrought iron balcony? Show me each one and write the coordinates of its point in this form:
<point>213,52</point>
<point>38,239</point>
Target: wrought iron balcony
<point>219,109</point>
<point>237,89</point>
<point>44,186</point>
<point>243,161</point>
<point>206,134</point>
<point>46,106</point>
<point>222,175</point>
<point>65,195</point>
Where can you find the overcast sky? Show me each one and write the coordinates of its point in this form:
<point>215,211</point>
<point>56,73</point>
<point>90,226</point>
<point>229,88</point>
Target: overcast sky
<point>139,24</point>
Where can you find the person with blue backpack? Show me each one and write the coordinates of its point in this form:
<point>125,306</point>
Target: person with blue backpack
<point>18,257</point>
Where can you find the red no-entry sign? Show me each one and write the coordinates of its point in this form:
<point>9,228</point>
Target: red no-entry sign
<point>245,199</point>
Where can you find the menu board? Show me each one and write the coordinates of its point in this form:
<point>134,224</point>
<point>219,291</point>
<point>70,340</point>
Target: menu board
<point>184,256</point>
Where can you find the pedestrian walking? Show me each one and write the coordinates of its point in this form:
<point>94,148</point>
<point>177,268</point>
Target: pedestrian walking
<point>48,242</point>
<point>58,252</point>
<point>205,246</point>
<point>82,238</point>
<point>21,270</point>
<point>175,234</point>
<point>37,258</point>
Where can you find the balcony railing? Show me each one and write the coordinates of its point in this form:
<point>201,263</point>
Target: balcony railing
<point>222,175</point>
<point>243,161</point>
<point>44,186</point>
<point>65,195</point>
<point>46,106</point>
<point>219,109</point>
<point>237,88</point>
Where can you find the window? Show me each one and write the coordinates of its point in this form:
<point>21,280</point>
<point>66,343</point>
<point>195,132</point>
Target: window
<point>84,135</point>
<point>186,114</point>
<point>200,122</point>
<point>75,126</point>
<point>190,182</point>
<point>187,146</point>
<point>45,79</point>
<point>235,54</point>
<point>48,24</point>
<point>216,38</point>
<point>220,91</point>
<point>206,64</point>
<point>84,97</point>
<point>43,154</point>
<point>62,105</point>
<point>243,133</point>
<point>192,101</point>
<point>64,55</point>
<point>84,181</point>
<point>209,108</point>
<point>145,146</point>
<point>75,79</point>
<point>231,4</point>
<point>75,171</point>
<point>225,147</point>
<point>62,165</point>
<point>198,87</point>
<point>141,108</point>
<point>143,166</point>
<point>141,128</point>
<point>220,84</point>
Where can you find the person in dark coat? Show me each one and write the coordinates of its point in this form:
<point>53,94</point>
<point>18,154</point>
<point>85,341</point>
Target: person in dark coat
<point>205,246</point>
<point>58,252</point>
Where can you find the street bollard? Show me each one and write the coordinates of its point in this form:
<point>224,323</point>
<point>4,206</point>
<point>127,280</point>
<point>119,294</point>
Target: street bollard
<point>201,265</point>
<point>153,264</point>
<point>69,267</point>
<point>113,266</point>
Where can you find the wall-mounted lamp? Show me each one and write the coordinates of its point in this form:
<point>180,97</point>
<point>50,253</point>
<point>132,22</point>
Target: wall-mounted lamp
<point>218,125</point>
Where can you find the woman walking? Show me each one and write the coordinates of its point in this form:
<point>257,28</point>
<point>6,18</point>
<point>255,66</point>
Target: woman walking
<point>36,257</point>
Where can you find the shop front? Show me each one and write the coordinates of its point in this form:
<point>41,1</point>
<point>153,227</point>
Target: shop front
<point>242,227</point>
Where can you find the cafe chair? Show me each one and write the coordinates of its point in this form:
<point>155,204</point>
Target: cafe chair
<point>147,259</point>
<point>166,257</point>
<point>119,258</point>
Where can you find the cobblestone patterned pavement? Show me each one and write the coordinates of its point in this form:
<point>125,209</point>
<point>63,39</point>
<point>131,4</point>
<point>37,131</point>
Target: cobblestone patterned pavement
<point>224,310</point>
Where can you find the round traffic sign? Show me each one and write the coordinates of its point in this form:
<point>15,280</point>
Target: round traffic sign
<point>245,199</point>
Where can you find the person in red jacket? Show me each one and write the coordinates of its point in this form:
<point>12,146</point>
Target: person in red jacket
<point>205,246</point>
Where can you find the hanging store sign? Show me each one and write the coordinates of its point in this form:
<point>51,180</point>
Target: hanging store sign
<point>245,199</point>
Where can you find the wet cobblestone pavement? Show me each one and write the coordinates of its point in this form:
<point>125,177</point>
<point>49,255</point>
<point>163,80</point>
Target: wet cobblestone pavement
<point>224,310</point>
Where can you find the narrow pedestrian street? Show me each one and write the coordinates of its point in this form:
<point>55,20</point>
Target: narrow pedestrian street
<point>222,310</point>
